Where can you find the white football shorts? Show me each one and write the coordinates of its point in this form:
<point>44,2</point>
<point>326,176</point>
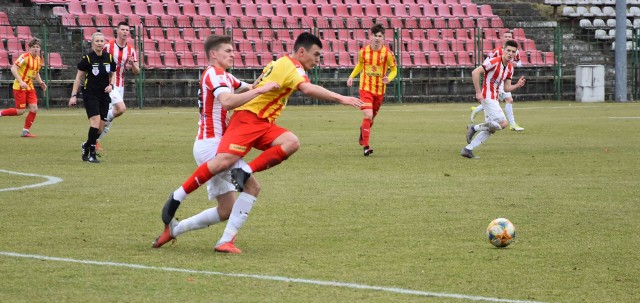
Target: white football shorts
<point>492,111</point>
<point>117,94</point>
<point>205,150</point>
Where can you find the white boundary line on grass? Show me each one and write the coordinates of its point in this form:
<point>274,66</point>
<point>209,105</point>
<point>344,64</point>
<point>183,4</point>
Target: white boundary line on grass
<point>50,180</point>
<point>270,278</point>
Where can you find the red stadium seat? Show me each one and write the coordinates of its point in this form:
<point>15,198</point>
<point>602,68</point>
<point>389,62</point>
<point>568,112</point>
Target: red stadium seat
<point>4,19</point>
<point>535,58</point>
<point>171,60</point>
<point>14,44</point>
<point>251,10</point>
<point>75,8</point>
<point>134,20</point>
<point>326,10</point>
<point>153,60</point>
<point>167,21</point>
<point>328,60</point>
<point>189,9</point>
<point>199,21</point>
<point>549,58</point>
<point>449,59</point>
<point>433,59</point>
<point>344,60</point>
<point>4,59</point>
<point>102,20</point>
<point>108,8</point>
<point>173,9</point>
<point>156,33</point>
<point>429,11</point>
<point>186,60</point>
<point>443,11</point>
<point>486,11</point>
<point>91,8</point>
<point>165,46</point>
<point>464,59</point>
<point>55,61</point>
<point>85,20</point>
<point>472,10</point>
<point>141,9</point>
<point>442,46</point>
<point>419,59</point>
<point>24,32</point>
<point>183,21</point>
<point>416,10</point>
<point>356,11</point>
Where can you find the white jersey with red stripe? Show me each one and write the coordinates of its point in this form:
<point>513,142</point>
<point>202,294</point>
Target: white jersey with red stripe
<point>121,55</point>
<point>495,73</point>
<point>213,117</point>
<point>497,52</point>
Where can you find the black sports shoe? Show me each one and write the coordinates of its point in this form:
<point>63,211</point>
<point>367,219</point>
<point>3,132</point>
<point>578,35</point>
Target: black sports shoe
<point>367,151</point>
<point>85,152</point>
<point>239,177</point>
<point>169,209</point>
<point>467,153</point>
<point>470,132</point>
<point>93,158</point>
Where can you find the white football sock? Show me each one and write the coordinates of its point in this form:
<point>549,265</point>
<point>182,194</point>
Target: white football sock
<point>110,115</point>
<point>202,220</point>
<point>508,108</point>
<point>478,139</point>
<point>180,194</point>
<point>247,169</point>
<point>239,213</point>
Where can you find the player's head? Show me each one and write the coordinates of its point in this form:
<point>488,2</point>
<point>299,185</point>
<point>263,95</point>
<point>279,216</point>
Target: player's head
<point>307,49</point>
<point>97,42</point>
<point>34,46</point>
<point>122,31</point>
<point>509,50</point>
<point>506,37</point>
<point>219,50</point>
<point>377,36</point>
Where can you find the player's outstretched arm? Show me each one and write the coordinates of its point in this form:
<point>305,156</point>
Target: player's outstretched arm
<point>230,100</point>
<point>320,92</point>
<point>475,75</point>
<point>508,87</point>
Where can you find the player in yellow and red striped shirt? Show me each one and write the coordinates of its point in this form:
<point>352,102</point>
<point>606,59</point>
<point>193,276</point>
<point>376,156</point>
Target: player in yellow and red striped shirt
<point>25,69</point>
<point>253,126</point>
<point>374,61</point>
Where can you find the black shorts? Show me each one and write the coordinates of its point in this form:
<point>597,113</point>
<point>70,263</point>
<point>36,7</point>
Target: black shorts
<point>97,105</point>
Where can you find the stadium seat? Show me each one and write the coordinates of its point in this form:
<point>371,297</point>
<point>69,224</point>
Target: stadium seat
<point>428,46</point>
<point>596,11</point>
<point>429,11</point>
<point>4,19</point>
<point>156,33</point>
<point>344,60</point>
<point>496,22</point>
<point>4,59</point>
<point>108,8</point>
<point>439,22</point>
<point>568,11</point>
<point>186,60</point>
<point>173,9</point>
<point>599,23</point>
<point>419,59</point>
<point>536,58</point>
<point>448,59</point>
<point>152,60</point>
<point>250,10</point>
<point>171,60</point>
<point>609,11</point>
<point>443,11</point>
<point>356,11</point>
<point>457,10</point>
<point>457,45</point>
<point>405,60</point>
<point>102,20</point>
<point>149,46</point>
<point>585,23</point>
<point>199,21</point>
<point>464,59</point>
<point>165,46</point>
<point>328,60</point>
<point>167,21</point>
<point>141,9</point>
<point>472,10</point>
<point>549,58</point>
<point>55,61</point>
<point>134,20</point>
<point>75,8</point>
<point>433,59</point>
<point>85,20</point>
<point>486,11</point>
<point>24,32</point>
<point>189,9</point>
<point>14,44</point>
<point>91,8</point>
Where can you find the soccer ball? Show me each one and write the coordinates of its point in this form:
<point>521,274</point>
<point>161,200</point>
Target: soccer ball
<point>501,232</point>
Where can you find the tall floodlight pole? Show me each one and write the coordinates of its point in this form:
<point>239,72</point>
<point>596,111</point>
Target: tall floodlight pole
<point>621,51</point>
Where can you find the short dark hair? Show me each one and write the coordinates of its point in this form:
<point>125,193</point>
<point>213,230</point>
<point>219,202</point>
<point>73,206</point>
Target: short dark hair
<point>213,42</point>
<point>377,28</point>
<point>511,43</point>
<point>34,42</point>
<point>306,40</point>
<point>123,23</point>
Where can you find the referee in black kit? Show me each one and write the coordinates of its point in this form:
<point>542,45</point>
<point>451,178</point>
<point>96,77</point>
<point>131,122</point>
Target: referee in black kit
<point>99,69</point>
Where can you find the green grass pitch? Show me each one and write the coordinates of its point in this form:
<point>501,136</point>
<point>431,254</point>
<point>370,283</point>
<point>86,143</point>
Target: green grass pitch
<point>411,217</point>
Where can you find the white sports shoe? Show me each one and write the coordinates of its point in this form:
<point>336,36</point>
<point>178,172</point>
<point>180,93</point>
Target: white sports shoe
<point>516,127</point>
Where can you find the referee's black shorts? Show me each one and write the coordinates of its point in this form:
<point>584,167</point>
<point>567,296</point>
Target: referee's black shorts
<point>97,105</point>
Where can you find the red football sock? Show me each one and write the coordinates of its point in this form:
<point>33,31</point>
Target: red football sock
<point>29,120</point>
<point>268,158</point>
<point>366,131</point>
<point>9,112</point>
<point>199,177</point>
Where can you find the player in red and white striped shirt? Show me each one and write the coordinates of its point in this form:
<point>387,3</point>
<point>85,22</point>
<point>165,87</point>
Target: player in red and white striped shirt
<point>219,92</point>
<point>506,96</point>
<point>497,72</point>
<point>125,57</point>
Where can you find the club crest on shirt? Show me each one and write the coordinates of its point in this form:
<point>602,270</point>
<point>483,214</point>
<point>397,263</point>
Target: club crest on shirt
<point>107,67</point>
<point>301,71</point>
<point>95,71</point>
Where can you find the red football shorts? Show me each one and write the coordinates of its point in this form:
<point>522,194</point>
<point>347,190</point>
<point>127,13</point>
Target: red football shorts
<point>371,101</point>
<point>246,131</point>
<point>24,97</point>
